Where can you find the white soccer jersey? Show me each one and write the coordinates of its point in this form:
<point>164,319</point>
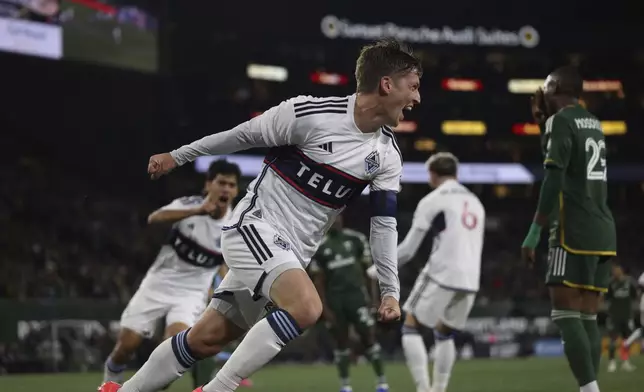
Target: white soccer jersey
<point>319,162</point>
<point>192,253</point>
<point>456,219</point>
<point>640,281</point>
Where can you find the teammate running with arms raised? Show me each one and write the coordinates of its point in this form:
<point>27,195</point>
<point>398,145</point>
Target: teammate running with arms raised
<point>324,152</point>
<point>338,271</point>
<point>176,285</point>
<point>573,204</point>
<point>446,288</point>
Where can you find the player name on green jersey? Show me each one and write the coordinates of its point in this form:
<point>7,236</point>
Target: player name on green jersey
<point>342,257</point>
<point>574,142</point>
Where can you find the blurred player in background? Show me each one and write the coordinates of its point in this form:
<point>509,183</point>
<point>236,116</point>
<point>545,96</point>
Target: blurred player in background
<point>446,288</point>
<point>175,288</point>
<point>573,203</point>
<point>324,153</point>
<point>638,332</point>
<point>338,270</point>
<point>622,290</point>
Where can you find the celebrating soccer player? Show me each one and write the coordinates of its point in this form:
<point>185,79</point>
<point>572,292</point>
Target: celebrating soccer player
<point>176,285</point>
<point>324,152</point>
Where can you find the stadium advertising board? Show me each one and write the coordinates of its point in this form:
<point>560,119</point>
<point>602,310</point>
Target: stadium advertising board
<point>337,27</point>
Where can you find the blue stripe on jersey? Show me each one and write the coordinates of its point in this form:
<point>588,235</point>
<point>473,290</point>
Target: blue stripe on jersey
<point>322,183</point>
<point>388,132</point>
<point>383,203</point>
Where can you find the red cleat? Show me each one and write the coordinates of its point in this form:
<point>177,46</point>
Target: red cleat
<point>246,383</point>
<point>109,386</point>
<point>200,389</point>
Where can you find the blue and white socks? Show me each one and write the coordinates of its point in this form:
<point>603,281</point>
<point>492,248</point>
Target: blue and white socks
<point>261,344</point>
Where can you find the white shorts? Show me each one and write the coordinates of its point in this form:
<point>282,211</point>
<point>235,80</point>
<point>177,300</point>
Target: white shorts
<point>430,303</point>
<point>149,306</point>
<point>256,255</point>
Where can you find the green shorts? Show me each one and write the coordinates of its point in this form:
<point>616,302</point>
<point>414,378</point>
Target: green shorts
<point>619,327</point>
<point>588,272</point>
<point>350,308</point>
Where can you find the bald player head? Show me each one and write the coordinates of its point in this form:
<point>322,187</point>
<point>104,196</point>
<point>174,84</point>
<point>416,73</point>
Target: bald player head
<point>562,87</point>
<point>441,166</point>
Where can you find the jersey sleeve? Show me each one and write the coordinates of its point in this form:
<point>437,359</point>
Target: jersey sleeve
<point>275,127</point>
<point>384,188</point>
<point>425,213</point>
<point>640,281</point>
<point>183,203</point>
<point>559,142</point>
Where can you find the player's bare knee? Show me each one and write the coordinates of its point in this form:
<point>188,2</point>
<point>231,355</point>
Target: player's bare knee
<point>294,292</point>
<point>126,344</point>
<point>211,333</point>
<point>174,329</point>
<point>307,311</point>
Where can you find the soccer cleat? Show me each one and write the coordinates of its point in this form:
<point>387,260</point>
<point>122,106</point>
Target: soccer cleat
<point>246,383</point>
<point>612,366</point>
<point>109,386</point>
<point>627,366</point>
<point>346,388</point>
<point>382,388</point>
<point>200,389</point>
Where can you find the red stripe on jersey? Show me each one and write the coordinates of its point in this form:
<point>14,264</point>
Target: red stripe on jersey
<point>300,189</point>
<point>332,168</point>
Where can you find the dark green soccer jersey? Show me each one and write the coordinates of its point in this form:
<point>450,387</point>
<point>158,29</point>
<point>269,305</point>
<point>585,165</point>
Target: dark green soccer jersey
<point>621,293</point>
<point>342,257</point>
<point>573,141</point>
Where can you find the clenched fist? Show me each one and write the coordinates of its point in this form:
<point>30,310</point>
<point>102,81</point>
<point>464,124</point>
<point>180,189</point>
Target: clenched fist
<point>160,164</point>
<point>389,309</point>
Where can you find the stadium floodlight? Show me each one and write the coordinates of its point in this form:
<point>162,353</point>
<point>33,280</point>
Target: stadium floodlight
<point>456,127</point>
<point>457,84</point>
<point>271,73</point>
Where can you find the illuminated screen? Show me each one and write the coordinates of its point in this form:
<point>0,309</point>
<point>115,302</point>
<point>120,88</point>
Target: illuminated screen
<point>108,32</point>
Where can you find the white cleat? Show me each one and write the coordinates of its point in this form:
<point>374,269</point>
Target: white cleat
<point>612,366</point>
<point>627,366</point>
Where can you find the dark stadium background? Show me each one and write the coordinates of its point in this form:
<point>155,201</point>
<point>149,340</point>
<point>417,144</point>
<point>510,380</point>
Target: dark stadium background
<point>76,136</point>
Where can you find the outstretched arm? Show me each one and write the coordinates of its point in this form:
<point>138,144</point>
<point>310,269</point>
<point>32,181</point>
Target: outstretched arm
<point>274,127</point>
<point>179,209</point>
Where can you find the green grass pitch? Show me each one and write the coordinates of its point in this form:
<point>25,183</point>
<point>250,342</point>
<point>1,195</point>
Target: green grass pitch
<point>512,375</point>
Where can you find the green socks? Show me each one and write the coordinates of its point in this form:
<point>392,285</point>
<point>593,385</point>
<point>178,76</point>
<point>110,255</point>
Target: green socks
<point>342,362</point>
<point>594,337</point>
<point>577,346</point>
<point>202,372</point>
<point>373,355</point>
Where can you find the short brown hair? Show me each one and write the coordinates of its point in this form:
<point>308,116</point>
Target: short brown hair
<point>384,58</point>
<point>443,164</point>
